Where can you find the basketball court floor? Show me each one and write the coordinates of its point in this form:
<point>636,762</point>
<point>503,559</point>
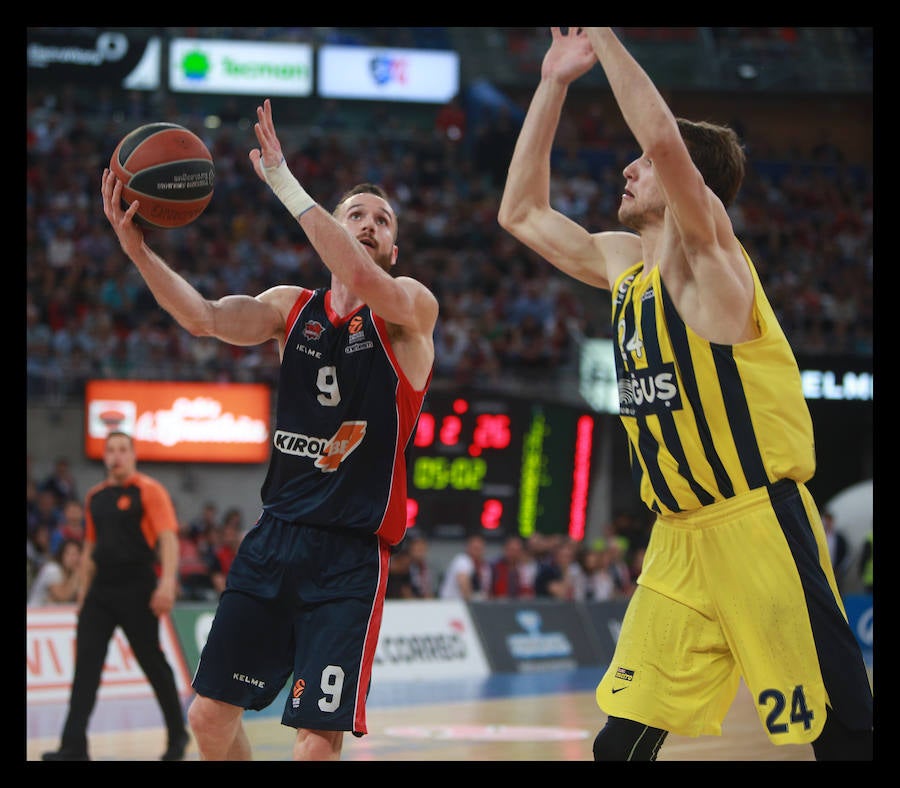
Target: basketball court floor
<point>547,716</point>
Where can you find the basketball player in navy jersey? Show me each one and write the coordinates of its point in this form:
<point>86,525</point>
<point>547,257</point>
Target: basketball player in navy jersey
<point>736,580</point>
<point>305,593</point>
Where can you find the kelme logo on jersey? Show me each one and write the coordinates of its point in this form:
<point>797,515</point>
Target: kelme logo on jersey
<point>647,392</point>
<point>328,453</point>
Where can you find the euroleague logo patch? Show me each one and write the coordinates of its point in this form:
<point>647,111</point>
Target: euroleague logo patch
<point>296,691</point>
<point>487,732</point>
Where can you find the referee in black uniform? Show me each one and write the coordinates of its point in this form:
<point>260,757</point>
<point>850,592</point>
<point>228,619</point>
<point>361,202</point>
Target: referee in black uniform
<point>130,526</point>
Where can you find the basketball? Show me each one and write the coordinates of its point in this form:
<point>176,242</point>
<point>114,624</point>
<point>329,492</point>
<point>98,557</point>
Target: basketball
<point>169,170</point>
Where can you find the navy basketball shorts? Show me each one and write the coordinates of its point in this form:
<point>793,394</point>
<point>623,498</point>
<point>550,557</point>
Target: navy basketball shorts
<point>303,605</point>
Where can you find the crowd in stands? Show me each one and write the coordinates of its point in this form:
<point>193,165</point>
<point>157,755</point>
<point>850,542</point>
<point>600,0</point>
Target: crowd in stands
<point>543,566</point>
<point>806,219</point>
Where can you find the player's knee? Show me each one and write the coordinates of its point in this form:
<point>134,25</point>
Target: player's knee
<point>626,740</point>
<point>208,715</point>
<point>312,745</point>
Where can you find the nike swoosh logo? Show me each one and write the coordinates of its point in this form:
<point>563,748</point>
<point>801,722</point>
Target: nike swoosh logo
<point>618,690</point>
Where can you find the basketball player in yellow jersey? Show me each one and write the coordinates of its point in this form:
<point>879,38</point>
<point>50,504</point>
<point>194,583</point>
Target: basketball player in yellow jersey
<point>736,580</point>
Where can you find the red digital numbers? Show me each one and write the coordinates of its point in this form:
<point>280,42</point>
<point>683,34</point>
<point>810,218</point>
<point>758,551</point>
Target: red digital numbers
<point>424,430</point>
<point>491,432</point>
<point>491,514</point>
<point>451,427</point>
<point>412,511</point>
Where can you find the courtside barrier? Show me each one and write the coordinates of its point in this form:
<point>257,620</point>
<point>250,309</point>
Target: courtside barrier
<point>537,635</point>
<point>420,640</point>
<point>860,614</point>
<point>50,658</point>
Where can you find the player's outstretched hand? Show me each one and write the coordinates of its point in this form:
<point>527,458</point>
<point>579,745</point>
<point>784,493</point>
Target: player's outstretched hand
<point>570,55</point>
<point>127,230</point>
<point>269,153</point>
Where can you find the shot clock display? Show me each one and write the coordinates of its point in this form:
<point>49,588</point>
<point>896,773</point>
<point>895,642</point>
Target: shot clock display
<point>499,465</point>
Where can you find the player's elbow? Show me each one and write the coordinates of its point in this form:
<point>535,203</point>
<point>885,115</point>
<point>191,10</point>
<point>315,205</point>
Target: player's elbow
<point>512,213</point>
<point>197,328</point>
<point>513,218</point>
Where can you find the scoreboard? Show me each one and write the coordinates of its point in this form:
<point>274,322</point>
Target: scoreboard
<point>499,465</point>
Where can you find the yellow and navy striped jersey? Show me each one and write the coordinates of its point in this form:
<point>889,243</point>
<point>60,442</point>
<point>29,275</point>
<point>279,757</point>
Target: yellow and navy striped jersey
<point>705,421</point>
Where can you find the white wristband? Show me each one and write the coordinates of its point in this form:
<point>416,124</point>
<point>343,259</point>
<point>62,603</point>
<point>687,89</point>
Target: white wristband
<point>288,189</point>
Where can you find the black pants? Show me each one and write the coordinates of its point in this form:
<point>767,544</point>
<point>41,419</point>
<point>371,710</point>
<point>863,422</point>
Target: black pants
<point>107,606</point>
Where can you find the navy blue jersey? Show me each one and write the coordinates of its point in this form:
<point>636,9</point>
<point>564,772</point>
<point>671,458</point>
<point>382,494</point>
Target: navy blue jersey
<point>345,415</point>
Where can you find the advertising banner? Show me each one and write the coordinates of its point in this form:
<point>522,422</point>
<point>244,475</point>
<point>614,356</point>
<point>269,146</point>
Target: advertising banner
<point>240,67</point>
<point>859,609</point>
<point>605,621</point>
<point>428,639</point>
<point>50,658</point>
<point>354,72</point>
<point>180,422</point>
<point>192,623</point>
<point>420,639</point>
<point>523,637</point>
<point>118,58</point>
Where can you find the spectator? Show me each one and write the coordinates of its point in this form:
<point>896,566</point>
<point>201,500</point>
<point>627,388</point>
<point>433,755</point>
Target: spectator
<point>618,566</point>
<point>61,482</point>
<point>562,577</point>
<point>599,583</point>
<point>468,576</point>
<point>71,526</point>
<point>37,551</point>
<point>46,512</point>
<point>420,574</point>
<point>206,521</point>
<point>510,575</point>
<point>58,580</point>
<point>195,563</point>
<point>231,532</point>
<point>399,582</point>
<point>539,550</point>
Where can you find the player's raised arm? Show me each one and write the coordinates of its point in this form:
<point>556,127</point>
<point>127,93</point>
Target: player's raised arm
<point>343,249</point>
<point>525,209</point>
<point>238,319</point>
<point>700,217</point>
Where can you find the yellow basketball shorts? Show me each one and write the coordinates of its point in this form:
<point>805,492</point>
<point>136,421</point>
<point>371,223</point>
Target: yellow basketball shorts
<point>743,587</point>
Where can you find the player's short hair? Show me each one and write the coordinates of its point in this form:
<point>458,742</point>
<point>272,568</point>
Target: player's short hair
<point>369,188</point>
<point>717,152</point>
